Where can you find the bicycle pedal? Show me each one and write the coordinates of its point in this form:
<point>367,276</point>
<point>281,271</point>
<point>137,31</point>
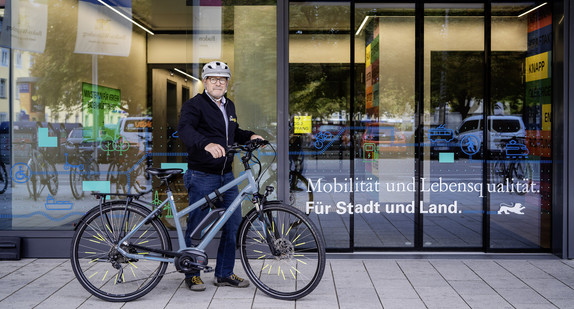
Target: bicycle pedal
<point>208,269</point>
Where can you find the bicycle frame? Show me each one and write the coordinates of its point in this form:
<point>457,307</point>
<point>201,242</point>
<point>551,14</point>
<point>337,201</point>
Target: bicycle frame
<point>250,188</point>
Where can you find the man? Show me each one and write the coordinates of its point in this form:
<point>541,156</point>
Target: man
<point>208,124</point>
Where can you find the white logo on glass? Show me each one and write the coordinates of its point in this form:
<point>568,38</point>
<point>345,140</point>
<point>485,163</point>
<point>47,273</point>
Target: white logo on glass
<point>515,208</point>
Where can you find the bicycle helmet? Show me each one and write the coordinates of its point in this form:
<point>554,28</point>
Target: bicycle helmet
<point>215,68</point>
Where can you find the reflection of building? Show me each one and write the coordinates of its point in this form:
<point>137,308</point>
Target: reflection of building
<point>415,76</point>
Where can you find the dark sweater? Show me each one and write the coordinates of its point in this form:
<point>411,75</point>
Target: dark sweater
<point>201,122</point>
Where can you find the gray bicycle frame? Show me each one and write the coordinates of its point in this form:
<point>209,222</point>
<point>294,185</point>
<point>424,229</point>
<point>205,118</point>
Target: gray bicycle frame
<point>250,188</point>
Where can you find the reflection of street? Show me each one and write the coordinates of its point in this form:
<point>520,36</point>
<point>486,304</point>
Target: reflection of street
<point>48,211</point>
<point>440,230</point>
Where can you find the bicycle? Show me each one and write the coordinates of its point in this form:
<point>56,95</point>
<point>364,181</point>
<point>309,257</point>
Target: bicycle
<point>129,168</point>
<point>280,249</point>
<point>42,174</point>
<point>87,169</point>
<point>509,172</point>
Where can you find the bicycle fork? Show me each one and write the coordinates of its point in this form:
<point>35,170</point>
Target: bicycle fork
<point>269,228</point>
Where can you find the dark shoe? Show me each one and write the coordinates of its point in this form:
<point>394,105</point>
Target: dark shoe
<point>195,283</point>
<point>232,280</point>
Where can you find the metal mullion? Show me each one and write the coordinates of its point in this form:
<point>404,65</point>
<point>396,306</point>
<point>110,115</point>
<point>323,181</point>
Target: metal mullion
<point>486,107</point>
<point>419,118</point>
<point>352,108</point>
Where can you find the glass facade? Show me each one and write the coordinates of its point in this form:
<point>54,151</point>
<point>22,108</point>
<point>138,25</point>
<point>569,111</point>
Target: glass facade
<point>412,125</point>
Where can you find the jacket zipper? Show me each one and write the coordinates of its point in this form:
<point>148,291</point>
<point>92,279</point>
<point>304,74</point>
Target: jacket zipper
<point>226,139</point>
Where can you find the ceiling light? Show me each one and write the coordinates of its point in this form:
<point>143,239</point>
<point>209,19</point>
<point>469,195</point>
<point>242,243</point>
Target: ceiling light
<point>182,72</point>
<point>362,25</point>
<point>124,16</point>
<point>533,9</point>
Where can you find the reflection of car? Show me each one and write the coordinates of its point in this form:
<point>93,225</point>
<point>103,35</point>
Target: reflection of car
<point>501,129</point>
<point>383,139</point>
<point>441,133</point>
<point>81,139</point>
<point>136,130</point>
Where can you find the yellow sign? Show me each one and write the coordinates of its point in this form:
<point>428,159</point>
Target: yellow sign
<point>302,124</point>
<point>546,117</point>
<point>537,67</point>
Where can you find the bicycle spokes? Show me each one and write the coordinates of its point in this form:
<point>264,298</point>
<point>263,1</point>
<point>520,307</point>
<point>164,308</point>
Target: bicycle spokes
<point>283,254</point>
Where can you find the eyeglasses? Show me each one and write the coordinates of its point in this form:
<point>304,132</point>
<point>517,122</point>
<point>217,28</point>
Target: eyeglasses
<point>214,80</point>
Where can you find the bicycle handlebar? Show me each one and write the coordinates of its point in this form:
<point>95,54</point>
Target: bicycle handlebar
<point>249,146</point>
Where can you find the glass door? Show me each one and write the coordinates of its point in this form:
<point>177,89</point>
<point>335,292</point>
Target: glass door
<point>319,124</point>
<point>451,184</point>
<point>384,125</point>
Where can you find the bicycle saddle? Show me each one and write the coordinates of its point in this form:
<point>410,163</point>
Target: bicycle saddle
<point>164,172</point>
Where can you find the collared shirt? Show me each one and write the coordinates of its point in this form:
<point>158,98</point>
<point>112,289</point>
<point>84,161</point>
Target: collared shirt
<point>222,109</point>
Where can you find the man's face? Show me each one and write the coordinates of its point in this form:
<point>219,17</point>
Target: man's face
<point>215,86</point>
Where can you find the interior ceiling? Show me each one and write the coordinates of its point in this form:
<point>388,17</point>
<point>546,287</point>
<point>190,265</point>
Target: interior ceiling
<point>175,15</point>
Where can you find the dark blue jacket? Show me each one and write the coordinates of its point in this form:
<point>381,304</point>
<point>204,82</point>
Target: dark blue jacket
<point>201,122</point>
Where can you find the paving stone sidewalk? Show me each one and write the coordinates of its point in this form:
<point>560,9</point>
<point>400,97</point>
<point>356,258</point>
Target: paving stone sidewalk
<point>348,283</point>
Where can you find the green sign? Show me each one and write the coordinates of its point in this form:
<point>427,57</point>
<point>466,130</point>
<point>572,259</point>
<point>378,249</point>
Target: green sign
<point>100,97</point>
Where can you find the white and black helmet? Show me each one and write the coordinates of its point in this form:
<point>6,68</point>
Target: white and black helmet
<point>215,68</point>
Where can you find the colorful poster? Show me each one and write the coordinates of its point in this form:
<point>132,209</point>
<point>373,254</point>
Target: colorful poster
<point>104,29</point>
<point>537,110</point>
<point>25,25</point>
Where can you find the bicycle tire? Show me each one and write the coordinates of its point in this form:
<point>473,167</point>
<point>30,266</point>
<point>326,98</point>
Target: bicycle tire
<point>3,178</point>
<point>34,181</point>
<point>76,183</point>
<point>498,172</point>
<point>51,175</point>
<point>91,171</point>
<point>522,173</point>
<point>93,255</point>
<point>118,179</point>
<point>297,271</point>
<point>299,192</point>
<point>141,181</point>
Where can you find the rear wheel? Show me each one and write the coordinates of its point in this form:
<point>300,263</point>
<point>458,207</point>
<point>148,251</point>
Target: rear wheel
<point>522,174</point>
<point>51,175</point>
<point>33,183</point>
<point>102,269</point>
<point>297,265</point>
<point>89,170</point>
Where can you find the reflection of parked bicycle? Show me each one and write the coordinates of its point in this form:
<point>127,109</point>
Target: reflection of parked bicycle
<point>508,172</point>
<point>121,249</point>
<point>299,191</point>
<point>42,174</point>
<point>85,169</point>
<point>3,177</point>
<point>129,168</point>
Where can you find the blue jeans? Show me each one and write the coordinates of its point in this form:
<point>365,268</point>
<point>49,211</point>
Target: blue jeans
<point>199,184</point>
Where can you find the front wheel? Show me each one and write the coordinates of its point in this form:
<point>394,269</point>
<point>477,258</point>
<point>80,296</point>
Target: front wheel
<point>102,269</point>
<point>296,266</point>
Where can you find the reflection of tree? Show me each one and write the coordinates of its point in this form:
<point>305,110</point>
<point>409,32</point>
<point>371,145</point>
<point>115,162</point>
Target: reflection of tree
<point>507,79</point>
<point>318,89</point>
<point>61,71</point>
<point>457,80</point>
<point>396,99</point>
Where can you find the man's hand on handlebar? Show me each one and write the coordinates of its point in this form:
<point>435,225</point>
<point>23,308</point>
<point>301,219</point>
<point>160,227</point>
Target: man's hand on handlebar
<point>216,150</point>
